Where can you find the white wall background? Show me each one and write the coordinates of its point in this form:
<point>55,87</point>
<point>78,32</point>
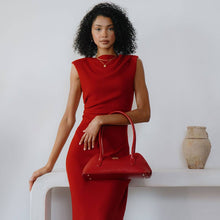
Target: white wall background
<point>178,42</point>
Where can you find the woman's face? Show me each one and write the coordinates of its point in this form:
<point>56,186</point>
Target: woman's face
<point>103,32</point>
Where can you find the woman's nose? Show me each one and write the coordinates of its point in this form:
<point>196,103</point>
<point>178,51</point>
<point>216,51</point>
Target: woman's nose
<point>104,33</point>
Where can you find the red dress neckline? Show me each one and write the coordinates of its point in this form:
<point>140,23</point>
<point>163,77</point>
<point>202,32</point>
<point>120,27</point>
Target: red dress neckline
<point>106,60</point>
<point>107,56</point>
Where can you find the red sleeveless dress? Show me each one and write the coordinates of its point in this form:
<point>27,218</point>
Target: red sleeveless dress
<point>105,89</point>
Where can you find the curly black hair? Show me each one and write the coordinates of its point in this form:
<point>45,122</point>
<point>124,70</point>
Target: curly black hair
<point>125,35</point>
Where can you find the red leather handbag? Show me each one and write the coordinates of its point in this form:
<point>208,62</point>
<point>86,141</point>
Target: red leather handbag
<point>126,167</point>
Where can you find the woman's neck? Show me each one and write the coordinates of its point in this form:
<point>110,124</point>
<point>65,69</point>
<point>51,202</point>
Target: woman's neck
<point>105,52</point>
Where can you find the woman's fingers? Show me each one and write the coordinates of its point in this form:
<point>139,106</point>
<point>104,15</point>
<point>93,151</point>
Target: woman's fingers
<point>88,141</point>
<point>90,133</point>
<point>82,139</point>
<point>93,142</point>
<point>33,178</point>
<point>85,142</point>
<point>36,174</point>
<point>31,182</point>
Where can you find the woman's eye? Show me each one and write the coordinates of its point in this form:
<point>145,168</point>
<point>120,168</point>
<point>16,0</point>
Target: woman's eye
<point>98,29</point>
<point>111,29</point>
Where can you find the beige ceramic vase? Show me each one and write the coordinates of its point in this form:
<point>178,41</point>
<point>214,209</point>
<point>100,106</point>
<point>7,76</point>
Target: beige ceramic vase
<point>196,147</point>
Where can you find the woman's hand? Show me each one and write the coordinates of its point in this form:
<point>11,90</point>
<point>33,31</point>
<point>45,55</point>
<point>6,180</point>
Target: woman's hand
<point>90,133</point>
<point>38,173</point>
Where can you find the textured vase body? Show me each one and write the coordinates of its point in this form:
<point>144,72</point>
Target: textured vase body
<point>196,147</point>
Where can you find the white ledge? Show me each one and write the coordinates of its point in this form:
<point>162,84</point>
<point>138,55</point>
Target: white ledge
<point>180,178</point>
<point>159,178</point>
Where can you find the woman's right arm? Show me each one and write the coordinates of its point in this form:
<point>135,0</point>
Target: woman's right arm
<point>66,125</point>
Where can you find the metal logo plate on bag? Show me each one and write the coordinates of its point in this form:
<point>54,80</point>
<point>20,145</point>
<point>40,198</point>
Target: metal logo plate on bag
<point>115,158</point>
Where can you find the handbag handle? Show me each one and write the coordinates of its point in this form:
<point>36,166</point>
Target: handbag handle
<point>101,153</point>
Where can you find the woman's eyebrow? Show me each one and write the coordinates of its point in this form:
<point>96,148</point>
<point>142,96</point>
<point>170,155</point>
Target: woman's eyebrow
<point>102,25</point>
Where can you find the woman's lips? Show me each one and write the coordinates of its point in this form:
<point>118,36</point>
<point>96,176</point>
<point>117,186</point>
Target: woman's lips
<point>104,41</point>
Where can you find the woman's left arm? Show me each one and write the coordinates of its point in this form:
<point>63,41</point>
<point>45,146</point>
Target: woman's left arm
<point>140,114</point>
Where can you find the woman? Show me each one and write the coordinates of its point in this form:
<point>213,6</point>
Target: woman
<point>108,76</point>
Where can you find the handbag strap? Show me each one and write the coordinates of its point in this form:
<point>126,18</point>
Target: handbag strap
<point>101,152</point>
